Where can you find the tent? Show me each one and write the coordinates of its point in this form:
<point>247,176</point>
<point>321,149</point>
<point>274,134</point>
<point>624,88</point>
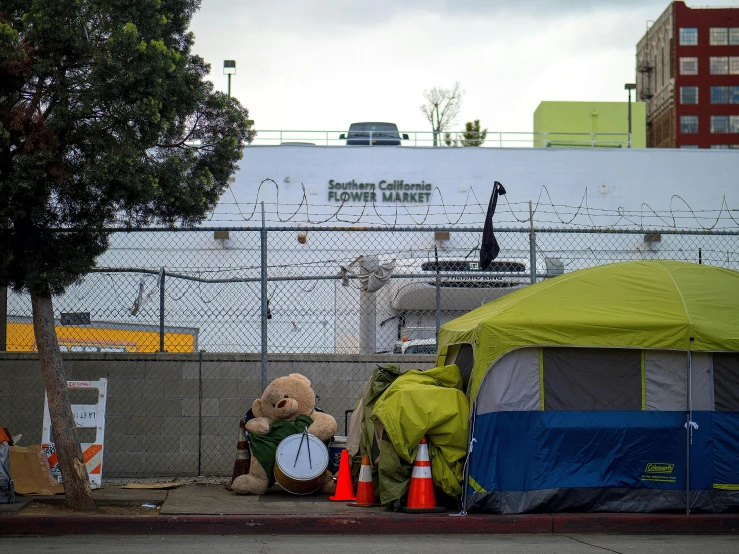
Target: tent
<point>612,388</point>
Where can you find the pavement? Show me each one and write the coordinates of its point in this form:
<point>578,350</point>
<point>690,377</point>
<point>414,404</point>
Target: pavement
<point>211,509</point>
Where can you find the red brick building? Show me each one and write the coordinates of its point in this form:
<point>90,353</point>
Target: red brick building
<point>688,75</point>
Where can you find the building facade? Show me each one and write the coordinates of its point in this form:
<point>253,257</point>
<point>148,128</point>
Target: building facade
<point>688,75</point>
<point>598,124</point>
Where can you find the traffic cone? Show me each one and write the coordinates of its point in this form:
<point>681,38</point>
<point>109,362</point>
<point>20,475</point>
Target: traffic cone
<point>243,454</point>
<point>365,488</point>
<point>421,493</point>
<point>344,487</point>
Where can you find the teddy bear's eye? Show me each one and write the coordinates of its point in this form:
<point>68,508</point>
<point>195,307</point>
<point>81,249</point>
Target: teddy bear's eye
<point>274,405</point>
<point>286,396</point>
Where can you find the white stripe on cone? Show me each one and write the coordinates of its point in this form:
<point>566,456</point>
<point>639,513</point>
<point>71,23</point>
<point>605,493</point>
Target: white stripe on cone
<point>365,474</point>
<point>421,472</point>
<point>423,453</point>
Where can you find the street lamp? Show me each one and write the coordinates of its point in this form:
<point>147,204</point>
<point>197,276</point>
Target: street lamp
<point>229,68</point>
<point>629,87</point>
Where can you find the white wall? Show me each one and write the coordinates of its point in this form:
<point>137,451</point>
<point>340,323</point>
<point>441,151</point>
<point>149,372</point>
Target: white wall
<point>634,180</point>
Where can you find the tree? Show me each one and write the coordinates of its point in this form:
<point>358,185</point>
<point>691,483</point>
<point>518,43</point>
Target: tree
<point>473,136</point>
<point>106,120</point>
<point>442,108</point>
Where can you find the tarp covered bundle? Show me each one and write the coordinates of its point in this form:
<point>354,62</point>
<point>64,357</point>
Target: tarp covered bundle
<point>404,407</point>
<point>613,388</point>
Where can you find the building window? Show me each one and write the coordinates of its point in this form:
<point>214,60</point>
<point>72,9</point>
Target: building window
<point>725,95</point>
<point>688,124</point>
<point>734,65</point>
<point>688,95</point>
<point>719,65</point>
<point>724,124</point>
<point>734,35</point>
<point>725,146</point>
<point>719,124</point>
<point>719,36</point>
<point>720,95</point>
<point>688,36</point>
<point>688,146</point>
<point>689,66</point>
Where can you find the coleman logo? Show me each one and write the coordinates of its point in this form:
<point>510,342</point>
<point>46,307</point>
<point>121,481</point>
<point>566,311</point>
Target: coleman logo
<point>659,468</point>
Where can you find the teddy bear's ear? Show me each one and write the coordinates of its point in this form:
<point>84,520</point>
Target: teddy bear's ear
<point>299,376</point>
<point>256,408</point>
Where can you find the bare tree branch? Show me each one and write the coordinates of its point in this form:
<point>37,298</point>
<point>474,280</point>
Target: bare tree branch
<point>442,108</point>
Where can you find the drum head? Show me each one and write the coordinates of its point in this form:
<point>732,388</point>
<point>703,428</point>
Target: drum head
<point>302,462</point>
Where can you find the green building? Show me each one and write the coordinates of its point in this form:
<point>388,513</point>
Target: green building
<point>589,124</point>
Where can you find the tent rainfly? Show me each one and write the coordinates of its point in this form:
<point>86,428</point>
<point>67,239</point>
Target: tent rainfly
<point>613,388</point>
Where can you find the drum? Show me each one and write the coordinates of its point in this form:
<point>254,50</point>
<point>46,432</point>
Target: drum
<point>300,463</point>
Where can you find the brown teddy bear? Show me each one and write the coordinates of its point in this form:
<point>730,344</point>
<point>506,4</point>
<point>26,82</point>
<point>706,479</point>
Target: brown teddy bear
<point>286,399</point>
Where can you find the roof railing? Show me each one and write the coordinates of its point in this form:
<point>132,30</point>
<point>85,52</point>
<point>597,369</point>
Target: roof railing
<point>460,139</point>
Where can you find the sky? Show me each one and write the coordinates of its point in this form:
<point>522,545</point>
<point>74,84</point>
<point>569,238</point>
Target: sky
<point>323,64</point>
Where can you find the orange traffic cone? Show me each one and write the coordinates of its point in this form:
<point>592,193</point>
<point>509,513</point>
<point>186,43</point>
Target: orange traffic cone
<point>344,488</point>
<point>243,454</point>
<point>365,488</point>
<point>421,493</point>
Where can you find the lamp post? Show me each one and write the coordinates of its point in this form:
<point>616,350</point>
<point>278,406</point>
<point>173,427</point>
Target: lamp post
<point>629,87</point>
<point>229,68</point>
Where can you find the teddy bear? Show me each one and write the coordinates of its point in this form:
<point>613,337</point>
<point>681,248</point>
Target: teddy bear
<point>286,399</point>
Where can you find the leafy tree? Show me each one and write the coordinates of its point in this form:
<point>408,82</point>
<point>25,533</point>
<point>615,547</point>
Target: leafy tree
<point>450,140</point>
<point>442,108</point>
<point>473,136</point>
<point>106,120</point>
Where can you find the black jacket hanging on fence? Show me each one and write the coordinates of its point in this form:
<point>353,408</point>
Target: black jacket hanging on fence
<point>489,248</point>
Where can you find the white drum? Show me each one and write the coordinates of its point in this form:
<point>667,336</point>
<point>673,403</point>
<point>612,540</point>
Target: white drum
<point>300,463</point>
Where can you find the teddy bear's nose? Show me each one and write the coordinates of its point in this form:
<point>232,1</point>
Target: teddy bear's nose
<point>281,403</point>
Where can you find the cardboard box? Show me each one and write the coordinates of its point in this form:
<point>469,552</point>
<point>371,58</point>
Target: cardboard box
<point>30,470</point>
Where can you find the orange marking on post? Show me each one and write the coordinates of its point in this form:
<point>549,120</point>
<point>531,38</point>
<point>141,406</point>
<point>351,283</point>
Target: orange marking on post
<point>90,452</point>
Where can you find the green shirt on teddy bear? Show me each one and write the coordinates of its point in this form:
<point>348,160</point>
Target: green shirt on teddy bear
<point>264,447</point>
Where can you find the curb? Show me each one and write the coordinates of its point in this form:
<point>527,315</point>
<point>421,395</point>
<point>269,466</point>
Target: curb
<point>395,524</point>
<point>273,525</point>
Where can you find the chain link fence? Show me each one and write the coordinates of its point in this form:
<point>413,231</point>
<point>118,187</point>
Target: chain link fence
<point>234,308</point>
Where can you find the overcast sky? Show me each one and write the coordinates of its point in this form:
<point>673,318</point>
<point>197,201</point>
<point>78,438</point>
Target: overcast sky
<point>322,64</point>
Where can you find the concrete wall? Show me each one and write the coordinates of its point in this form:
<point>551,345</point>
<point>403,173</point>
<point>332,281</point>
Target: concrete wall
<point>177,415</point>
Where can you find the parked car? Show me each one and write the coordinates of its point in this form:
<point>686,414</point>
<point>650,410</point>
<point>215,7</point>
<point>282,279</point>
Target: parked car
<point>418,346</point>
<point>373,134</point>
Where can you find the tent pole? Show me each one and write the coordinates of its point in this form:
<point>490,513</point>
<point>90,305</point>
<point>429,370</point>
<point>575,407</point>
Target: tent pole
<point>688,432</point>
<point>466,468</point>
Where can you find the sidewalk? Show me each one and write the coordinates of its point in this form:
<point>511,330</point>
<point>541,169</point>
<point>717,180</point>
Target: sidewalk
<point>211,509</point>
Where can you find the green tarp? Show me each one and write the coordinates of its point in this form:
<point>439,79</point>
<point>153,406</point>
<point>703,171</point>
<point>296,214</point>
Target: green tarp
<point>667,305</point>
<point>419,403</point>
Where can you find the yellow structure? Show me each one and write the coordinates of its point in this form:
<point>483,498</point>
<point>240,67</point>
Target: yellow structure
<point>103,337</point>
<point>590,124</point>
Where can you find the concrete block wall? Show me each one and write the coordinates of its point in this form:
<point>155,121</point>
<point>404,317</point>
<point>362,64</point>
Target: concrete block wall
<point>177,414</point>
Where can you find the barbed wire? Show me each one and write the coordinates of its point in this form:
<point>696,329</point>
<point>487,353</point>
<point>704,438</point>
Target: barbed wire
<point>544,211</point>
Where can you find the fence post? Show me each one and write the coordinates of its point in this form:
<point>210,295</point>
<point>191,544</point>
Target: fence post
<point>263,236</point>
<point>368,311</point>
<point>532,245</point>
<point>162,274</point>
<point>438,296</point>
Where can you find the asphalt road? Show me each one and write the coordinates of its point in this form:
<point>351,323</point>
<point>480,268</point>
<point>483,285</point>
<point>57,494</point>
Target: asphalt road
<point>393,544</point>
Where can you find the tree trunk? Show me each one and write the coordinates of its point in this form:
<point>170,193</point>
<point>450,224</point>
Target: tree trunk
<point>63,428</point>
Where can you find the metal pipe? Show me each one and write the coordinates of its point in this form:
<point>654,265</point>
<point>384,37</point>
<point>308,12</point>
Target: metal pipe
<point>532,245</point>
<point>438,296</point>
<point>263,241</point>
<point>162,274</point>
<point>688,432</point>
